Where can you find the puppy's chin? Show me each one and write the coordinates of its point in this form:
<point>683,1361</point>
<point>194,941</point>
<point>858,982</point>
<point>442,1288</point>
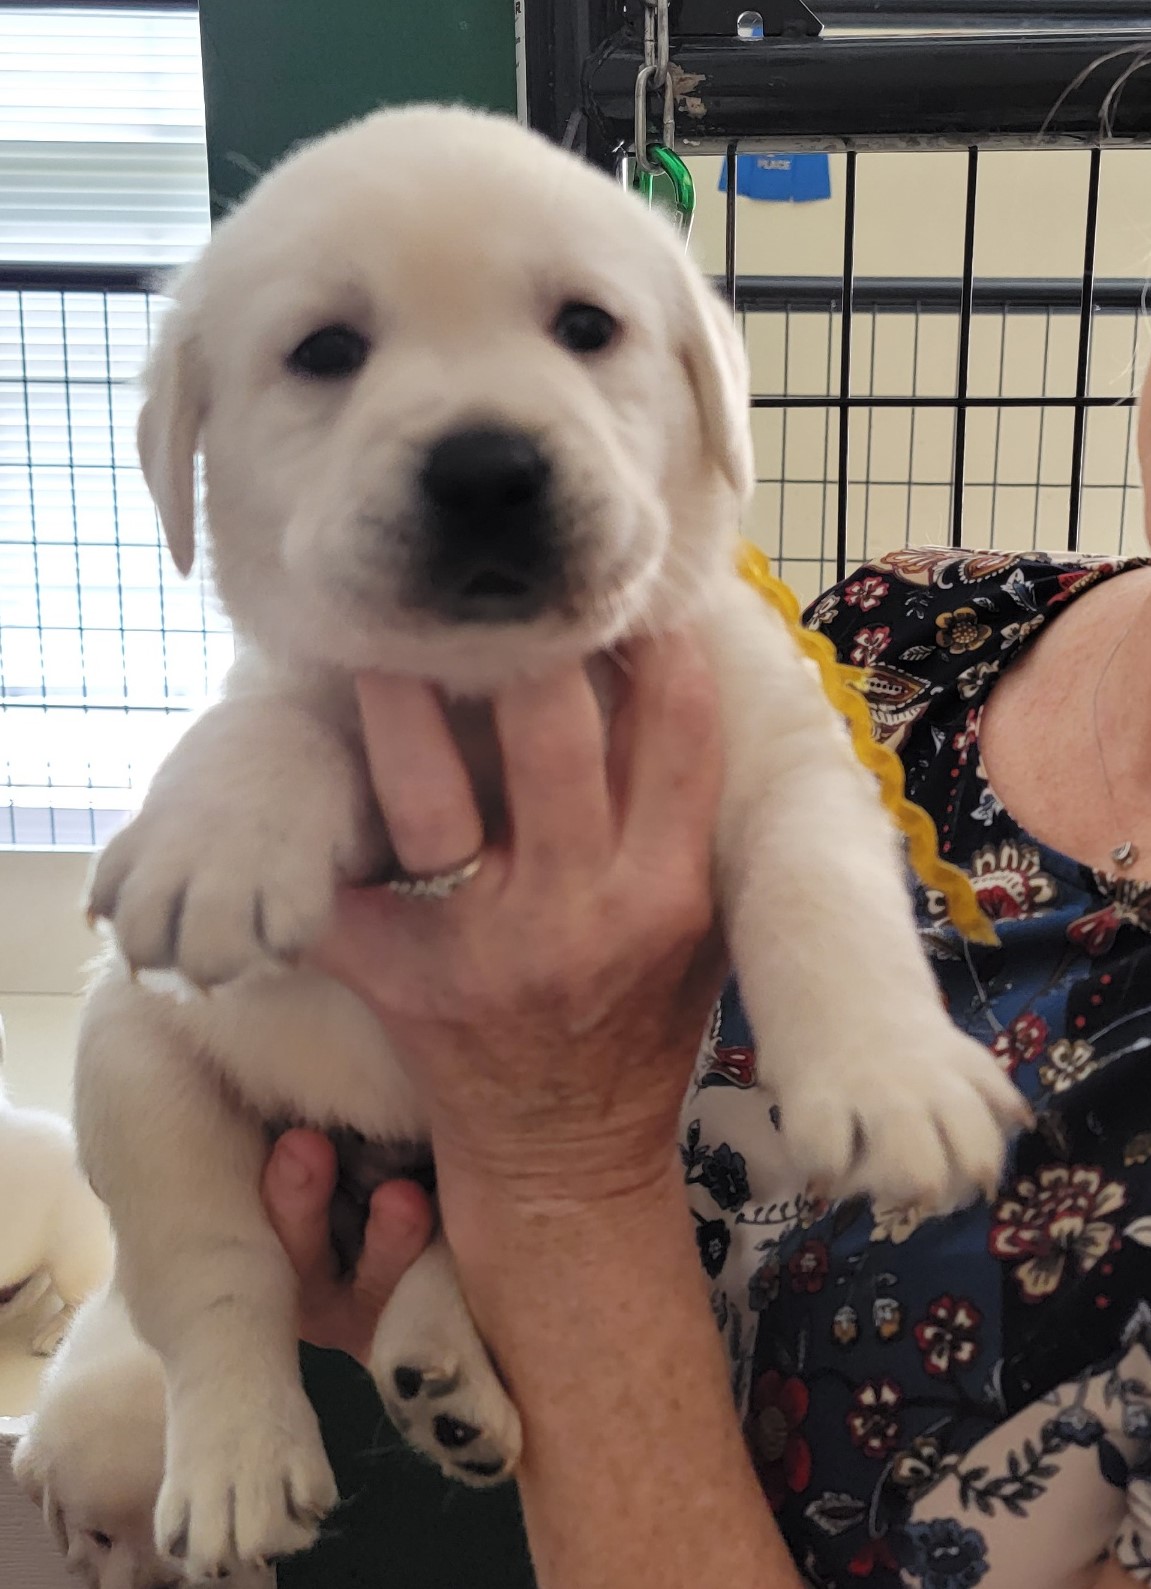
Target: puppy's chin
<point>358,627</point>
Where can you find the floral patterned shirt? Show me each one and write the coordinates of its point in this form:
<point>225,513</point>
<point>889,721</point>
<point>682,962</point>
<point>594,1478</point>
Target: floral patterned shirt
<point>946,1402</point>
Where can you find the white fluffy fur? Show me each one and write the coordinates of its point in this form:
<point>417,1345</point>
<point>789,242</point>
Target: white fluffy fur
<point>451,239</point>
<point>53,1229</point>
<point>94,1456</point>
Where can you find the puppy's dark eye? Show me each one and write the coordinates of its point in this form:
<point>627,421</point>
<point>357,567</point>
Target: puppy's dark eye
<point>329,353</point>
<point>99,1538</point>
<point>584,328</point>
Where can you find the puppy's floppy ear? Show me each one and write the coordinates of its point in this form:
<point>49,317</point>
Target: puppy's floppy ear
<point>168,430</point>
<point>713,354</point>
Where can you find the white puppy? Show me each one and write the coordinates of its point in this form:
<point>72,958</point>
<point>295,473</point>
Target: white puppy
<point>55,1245</point>
<point>465,411</point>
<point>93,1457</point>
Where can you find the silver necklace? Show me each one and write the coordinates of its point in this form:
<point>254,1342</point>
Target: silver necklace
<point>1126,852</point>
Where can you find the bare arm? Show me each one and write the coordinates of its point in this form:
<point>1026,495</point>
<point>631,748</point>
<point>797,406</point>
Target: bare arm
<point>602,1326</point>
<point>551,1011</point>
<point>634,1470</point>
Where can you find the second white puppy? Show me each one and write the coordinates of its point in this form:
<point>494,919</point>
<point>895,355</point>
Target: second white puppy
<point>465,412</point>
<point>93,1458</point>
<point>55,1244</point>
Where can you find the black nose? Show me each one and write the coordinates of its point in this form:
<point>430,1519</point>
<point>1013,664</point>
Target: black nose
<point>485,474</point>
<point>492,553</point>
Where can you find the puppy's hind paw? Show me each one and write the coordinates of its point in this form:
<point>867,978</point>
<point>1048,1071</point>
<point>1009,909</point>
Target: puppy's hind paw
<point>455,1413</point>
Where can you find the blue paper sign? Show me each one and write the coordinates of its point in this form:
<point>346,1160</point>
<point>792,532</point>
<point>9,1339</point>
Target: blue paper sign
<point>781,178</point>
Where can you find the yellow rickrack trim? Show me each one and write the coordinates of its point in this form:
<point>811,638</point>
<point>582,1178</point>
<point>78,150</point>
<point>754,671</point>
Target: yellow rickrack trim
<point>843,687</point>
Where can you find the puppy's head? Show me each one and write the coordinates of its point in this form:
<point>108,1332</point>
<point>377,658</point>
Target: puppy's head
<point>464,407</point>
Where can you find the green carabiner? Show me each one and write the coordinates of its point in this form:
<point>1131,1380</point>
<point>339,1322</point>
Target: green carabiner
<point>671,185</point>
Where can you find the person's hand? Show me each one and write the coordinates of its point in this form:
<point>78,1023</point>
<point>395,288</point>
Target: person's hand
<point>340,1311</point>
<point>550,1010</point>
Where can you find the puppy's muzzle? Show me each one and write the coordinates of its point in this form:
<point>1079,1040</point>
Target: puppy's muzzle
<point>491,552</point>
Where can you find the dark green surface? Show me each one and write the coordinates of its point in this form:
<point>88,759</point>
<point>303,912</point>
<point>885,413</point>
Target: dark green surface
<point>402,1526</point>
<point>278,71</point>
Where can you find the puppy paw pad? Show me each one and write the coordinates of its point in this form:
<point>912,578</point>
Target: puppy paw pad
<point>408,1382</point>
<point>453,1433</point>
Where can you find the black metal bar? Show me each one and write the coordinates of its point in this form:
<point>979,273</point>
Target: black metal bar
<point>918,90</point>
<point>940,294</point>
<point>911,427</point>
<point>869,449</point>
<point>922,13</point>
<point>559,38</point>
<point>82,278</point>
<point>903,482</point>
<point>826,492</point>
<point>783,418</point>
<point>753,294</point>
<point>964,360</point>
<point>1004,322</point>
<point>1136,328</point>
<point>1083,360</point>
<point>1040,437</point>
<point>916,400</point>
<point>841,494</point>
<point>729,273</point>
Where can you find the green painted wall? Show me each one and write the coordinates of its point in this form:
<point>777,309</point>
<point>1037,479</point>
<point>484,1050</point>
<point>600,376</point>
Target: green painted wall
<point>276,71</point>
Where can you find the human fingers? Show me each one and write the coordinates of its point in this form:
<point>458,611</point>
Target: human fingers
<point>553,746</point>
<point>418,775</point>
<point>297,1188</point>
<point>668,732</point>
<point>400,1225</point>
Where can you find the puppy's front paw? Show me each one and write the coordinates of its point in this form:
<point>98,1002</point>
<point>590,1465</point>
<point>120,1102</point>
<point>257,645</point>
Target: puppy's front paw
<point>242,1487</point>
<point>908,1123</point>
<point>213,894</point>
<point>451,1407</point>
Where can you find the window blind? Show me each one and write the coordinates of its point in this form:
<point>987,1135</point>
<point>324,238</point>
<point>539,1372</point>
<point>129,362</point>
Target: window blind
<point>102,157</point>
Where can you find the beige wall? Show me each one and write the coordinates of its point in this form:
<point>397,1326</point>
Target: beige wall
<point>44,945</point>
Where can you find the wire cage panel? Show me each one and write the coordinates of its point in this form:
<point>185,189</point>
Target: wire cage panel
<point>901,480</point>
<point>104,649</point>
<point>961,397</point>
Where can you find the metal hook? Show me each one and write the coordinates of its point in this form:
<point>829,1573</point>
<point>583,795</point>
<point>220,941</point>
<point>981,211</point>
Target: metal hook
<point>665,161</point>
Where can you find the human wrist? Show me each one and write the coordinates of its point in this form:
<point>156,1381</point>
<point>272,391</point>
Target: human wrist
<point>538,1274</point>
<point>502,1230</point>
<point>571,1158</point>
